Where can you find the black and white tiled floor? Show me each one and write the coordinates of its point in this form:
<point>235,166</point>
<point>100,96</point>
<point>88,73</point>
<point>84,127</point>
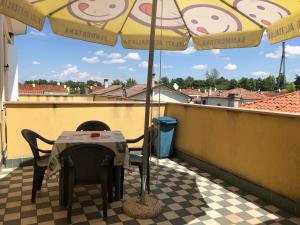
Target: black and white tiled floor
<point>189,196</point>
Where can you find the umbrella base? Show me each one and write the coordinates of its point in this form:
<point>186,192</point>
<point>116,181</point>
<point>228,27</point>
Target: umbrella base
<point>150,209</point>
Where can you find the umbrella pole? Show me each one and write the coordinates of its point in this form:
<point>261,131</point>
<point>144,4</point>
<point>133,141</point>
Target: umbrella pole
<point>148,96</point>
<point>146,207</point>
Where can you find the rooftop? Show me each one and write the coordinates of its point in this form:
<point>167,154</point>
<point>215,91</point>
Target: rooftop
<point>282,103</point>
<point>243,93</point>
<point>189,196</point>
<point>100,90</point>
<point>41,89</point>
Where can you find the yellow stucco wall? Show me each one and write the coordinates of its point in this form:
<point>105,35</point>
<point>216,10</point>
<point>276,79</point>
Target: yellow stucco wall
<point>261,147</point>
<point>53,98</point>
<point>50,119</point>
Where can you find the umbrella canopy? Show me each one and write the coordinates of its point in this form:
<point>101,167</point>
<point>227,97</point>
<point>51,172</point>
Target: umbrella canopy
<point>210,23</point>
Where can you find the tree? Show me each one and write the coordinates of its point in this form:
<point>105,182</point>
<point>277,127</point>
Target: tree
<point>233,83</point>
<point>222,83</point>
<point>291,87</point>
<point>165,81</point>
<point>189,82</point>
<point>93,83</point>
<point>116,82</point>
<point>269,83</point>
<point>297,82</point>
<point>212,77</point>
<point>130,82</point>
<point>179,81</point>
<point>259,84</point>
<point>281,81</point>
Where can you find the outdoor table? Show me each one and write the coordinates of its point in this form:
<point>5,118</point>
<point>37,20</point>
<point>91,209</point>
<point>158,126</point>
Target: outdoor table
<point>111,139</point>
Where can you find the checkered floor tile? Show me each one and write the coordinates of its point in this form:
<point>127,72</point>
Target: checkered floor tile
<point>188,195</point>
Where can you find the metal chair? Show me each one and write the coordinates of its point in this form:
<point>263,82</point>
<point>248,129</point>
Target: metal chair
<point>93,125</point>
<point>137,159</point>
<point>88,164</point>
<point>40,161</point>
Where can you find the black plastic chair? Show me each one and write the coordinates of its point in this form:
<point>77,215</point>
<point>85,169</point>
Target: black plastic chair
<point>40,161</point>
<point>86,164</point>
<point>137,159</point>
<point>93,125</point>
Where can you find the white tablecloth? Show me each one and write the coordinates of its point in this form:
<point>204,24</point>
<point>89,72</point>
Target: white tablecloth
<point>111,139</point>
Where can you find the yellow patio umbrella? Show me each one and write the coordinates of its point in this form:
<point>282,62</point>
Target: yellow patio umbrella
<point>162,24</point>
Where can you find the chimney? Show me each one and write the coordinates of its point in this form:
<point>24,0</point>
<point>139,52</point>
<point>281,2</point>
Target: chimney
<point>58,84</point>
<point>153,80</point>
<point>215,89</point>
<point>105,83</point>
<point>33,85</point>
<point>65,86</point>
<point>209,91</point>
<point>234,100</point>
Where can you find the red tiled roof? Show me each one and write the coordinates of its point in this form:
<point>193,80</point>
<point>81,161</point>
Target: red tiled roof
<point>131,91</point>
<point>283,103</point>
<point>41,89</point>
<point>192,92</point>
<point>102,90</point>
<point>243,93</point>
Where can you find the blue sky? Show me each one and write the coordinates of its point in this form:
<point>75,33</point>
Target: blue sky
<point>44,55</point>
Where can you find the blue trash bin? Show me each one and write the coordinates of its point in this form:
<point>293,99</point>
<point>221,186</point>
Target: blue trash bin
<point>167,126</point>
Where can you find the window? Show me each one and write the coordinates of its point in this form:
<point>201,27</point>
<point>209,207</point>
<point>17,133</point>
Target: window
<point>204,102</point>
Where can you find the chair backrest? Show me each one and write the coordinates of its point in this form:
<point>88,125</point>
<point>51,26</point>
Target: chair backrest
<point>93,125</point>
<point>31,137</point>
<point>88,162</point>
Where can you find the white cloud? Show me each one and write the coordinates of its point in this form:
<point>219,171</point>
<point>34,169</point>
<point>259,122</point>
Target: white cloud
<point>166,67</point>
<point>260,74</point>
<point>144,64</point>
<point>53,71</point>
<point>114,56</point>
<point>230,67</point>
<point>227,58</point>
<point>133,56</point>
<point>189,50</point>
<point>199,67</point>
<point>122,67</point>
<point>100,53</point>
<point>37,33</point>
<point>131,69</point>
<point>215,51</point>
<point>36,63</point>
<point>91,60</point>
<point>291,51</point>
<point>71,72</point>
<point>70,69</point>
<point>114,61</point>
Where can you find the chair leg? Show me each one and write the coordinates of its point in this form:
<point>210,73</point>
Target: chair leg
<point>104,198</point>
<point>41,174</point>
<point>141,176</point>
<point>34,184</point>
<point>110,185</point>
<point>70,197</point>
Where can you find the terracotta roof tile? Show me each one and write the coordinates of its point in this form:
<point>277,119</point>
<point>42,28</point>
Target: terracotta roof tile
<point>41,89</point>
<point>282,103</point>
<point>102,90</point>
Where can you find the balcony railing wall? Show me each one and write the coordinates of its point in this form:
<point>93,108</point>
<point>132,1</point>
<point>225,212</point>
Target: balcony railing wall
<point>261,147</point>
<point>50,119</point>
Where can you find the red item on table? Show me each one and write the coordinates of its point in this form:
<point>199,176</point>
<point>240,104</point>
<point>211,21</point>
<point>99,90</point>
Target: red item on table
<point>95,134</point>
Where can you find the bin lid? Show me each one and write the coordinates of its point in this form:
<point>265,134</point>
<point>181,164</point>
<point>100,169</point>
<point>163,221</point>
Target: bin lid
<point>165,120</point>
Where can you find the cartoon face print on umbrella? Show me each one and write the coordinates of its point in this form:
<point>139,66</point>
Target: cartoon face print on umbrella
<point>167,18</point>
<point>208,19</point>
<point>98,12</point>
<point>263,12</point>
